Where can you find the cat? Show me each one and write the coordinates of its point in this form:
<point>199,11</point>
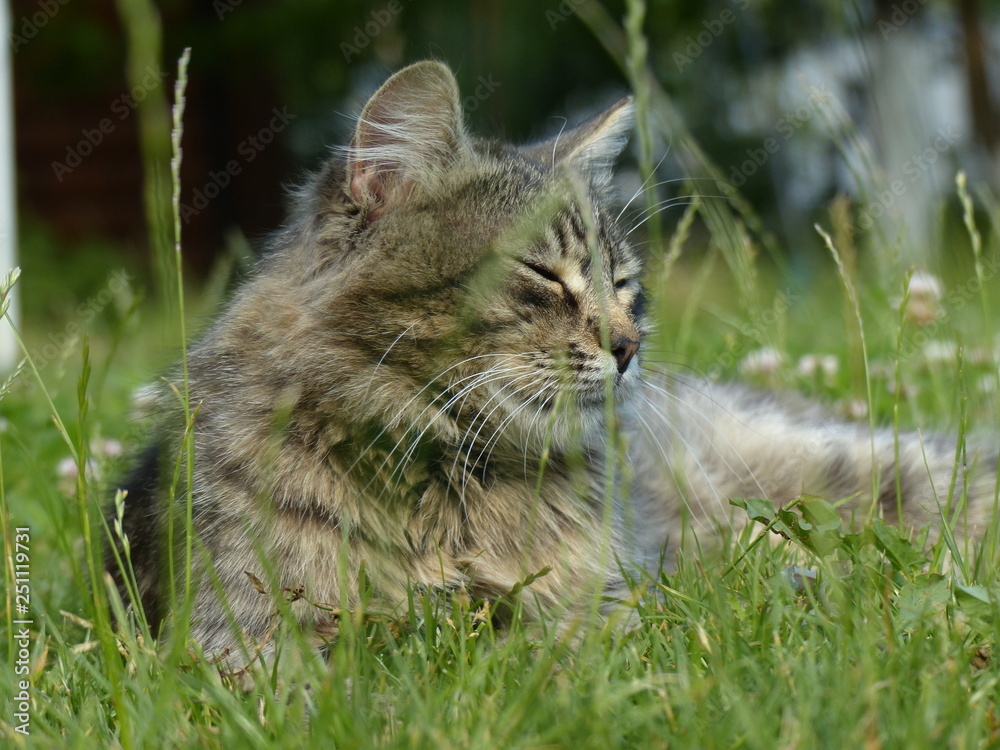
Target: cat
<point>434,382</point>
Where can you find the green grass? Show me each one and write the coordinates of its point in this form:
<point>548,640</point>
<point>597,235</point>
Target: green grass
<point>888,647</point>
<point>715,661</point>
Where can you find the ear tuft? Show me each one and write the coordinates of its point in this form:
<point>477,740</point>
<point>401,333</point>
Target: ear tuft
<point>409,133</point>
<point>593,146</point>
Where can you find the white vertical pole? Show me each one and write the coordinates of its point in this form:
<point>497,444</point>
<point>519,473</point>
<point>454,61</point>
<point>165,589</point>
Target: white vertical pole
<point>8,220</point>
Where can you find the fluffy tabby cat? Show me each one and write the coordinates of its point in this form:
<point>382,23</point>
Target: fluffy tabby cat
<point>418,382</point>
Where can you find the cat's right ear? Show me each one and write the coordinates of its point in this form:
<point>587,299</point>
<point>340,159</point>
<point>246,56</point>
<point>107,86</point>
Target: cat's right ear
<point>409,133</point>
<point>591,147</point>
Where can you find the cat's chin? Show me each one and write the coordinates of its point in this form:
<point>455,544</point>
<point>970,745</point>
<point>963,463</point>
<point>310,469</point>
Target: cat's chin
<point>595,396</point>
<point>585,401</point>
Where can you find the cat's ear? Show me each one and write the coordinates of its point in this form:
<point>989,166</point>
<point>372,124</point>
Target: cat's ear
<point>593,146</point>
<point>409,133</point>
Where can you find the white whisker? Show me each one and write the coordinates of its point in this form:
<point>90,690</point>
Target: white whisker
<point>417,395</point>
<point>672,203</point>
<point>476,380</point>
<point>485,378</point>
<point>384,355</point>
<point>485,421</point>
<point>718,435</point>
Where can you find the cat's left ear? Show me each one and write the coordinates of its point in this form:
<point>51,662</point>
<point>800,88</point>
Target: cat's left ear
<point>593,146</point>
<point>409,134</point>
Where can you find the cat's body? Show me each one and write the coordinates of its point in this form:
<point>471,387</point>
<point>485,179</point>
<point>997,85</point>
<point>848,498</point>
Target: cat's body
<point>415,385</point>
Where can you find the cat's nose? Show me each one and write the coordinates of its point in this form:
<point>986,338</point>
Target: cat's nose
<point>623,349</point>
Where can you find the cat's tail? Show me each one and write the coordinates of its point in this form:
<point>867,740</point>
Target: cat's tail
<point>704,443</point>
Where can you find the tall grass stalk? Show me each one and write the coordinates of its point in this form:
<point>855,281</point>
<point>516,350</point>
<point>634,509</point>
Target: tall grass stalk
<point>176,136</point>
<point>855,302</point>
<point>897,374</point>
<point>637,63</point>
<point>144,37</point>
<point>975,239</point>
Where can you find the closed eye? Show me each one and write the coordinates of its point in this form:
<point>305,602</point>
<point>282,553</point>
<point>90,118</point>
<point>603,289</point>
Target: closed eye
<point>622,283</point>
<point>543,272</point>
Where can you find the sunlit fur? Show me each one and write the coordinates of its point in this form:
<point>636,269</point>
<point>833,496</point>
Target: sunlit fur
<point>416,383</point>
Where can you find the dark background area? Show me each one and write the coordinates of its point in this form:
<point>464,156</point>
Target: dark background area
<point>258,57</point>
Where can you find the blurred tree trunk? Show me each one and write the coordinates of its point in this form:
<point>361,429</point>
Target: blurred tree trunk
<point>985,127</point>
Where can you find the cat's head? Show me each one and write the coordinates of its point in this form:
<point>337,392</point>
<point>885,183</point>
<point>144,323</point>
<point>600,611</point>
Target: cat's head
<point>497,274</point>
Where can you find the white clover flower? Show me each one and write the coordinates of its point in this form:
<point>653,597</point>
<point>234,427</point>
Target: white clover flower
<point>925,294</point>
<point>940,351</point>
<point>109,448</point>
<point>764,362</point>
<point>906,390</point>
<point>812,364</point>
<point>808,365</point>
<point>855,408</point>
<point>67,468</point>
<point>987,384</point>
<point>926,286</point>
